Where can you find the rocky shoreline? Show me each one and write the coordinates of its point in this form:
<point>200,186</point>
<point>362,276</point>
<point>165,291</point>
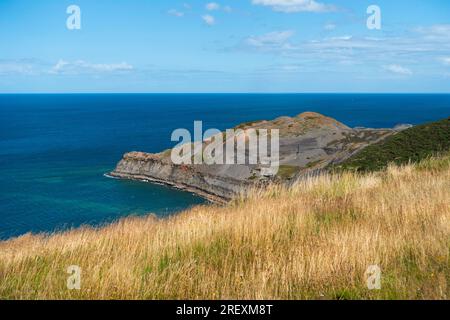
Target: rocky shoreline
<point>205,194</point>
<point>153,169</point>
<point>309,142</point>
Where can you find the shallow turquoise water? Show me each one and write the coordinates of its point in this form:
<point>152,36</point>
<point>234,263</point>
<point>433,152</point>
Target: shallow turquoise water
<point>55,149</point>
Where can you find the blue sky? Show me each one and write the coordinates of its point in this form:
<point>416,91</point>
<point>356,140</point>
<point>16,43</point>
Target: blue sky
<point>224,46</point>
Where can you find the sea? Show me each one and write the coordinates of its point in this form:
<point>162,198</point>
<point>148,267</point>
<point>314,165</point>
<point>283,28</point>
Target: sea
<point>55,149</point>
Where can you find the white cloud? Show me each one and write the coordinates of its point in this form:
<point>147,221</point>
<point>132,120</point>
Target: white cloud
<point>290,68</point>
<point>413,49</point>
<point>212,6</point>
<point>37,67</point>
<point>290,6</point>
<point>329,26</point>
<point>270,40</point>
<point>343,38</point>
<point>437,31</point>
<point>83,67</point>
<point>60,65</point>
<point>176,13</point>
<point>398,69</point>
<point>209,19</point>
<point>445,60</point>
<point>22,67</point>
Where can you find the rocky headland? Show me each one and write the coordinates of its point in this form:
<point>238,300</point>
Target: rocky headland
<point>309,143</point>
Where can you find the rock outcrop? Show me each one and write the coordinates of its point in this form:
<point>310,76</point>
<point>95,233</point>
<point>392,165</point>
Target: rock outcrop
<point>309,143</point>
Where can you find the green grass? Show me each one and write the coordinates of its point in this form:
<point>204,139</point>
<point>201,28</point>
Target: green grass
<point>412,145</point>
<point>286,172</point>
<point>313,163</point>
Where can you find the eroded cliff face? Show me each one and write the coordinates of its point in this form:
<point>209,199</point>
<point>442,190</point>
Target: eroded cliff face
<point>308,143</point>
<point>219,187</point>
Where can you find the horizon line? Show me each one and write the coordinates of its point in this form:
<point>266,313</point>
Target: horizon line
<point>214,93</point>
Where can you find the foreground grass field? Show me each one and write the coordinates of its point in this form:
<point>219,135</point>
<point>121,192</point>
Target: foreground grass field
<point>312,241</point>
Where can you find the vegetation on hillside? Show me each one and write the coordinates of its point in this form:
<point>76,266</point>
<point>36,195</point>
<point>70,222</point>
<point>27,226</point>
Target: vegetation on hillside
<point>314,240</point>
<point>411,145</point>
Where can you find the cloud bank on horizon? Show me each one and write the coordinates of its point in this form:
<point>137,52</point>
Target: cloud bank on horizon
<point>290,6</point>
<point>225,46</point>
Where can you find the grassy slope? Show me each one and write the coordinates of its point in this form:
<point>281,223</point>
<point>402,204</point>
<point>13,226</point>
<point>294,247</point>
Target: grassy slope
<point>413,145</point>
<point>314,240</point>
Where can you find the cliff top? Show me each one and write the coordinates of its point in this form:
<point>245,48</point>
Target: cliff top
<point>298,125</point>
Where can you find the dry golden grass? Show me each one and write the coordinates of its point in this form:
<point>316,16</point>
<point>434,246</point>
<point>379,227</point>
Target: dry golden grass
<point>314,240</point>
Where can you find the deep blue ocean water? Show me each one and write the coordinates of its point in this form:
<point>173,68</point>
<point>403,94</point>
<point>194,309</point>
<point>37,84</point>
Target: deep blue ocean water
<point>54,149</point>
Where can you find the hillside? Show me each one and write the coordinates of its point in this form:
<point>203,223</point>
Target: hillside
<point>411,145</point>
<point>314,240</point>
